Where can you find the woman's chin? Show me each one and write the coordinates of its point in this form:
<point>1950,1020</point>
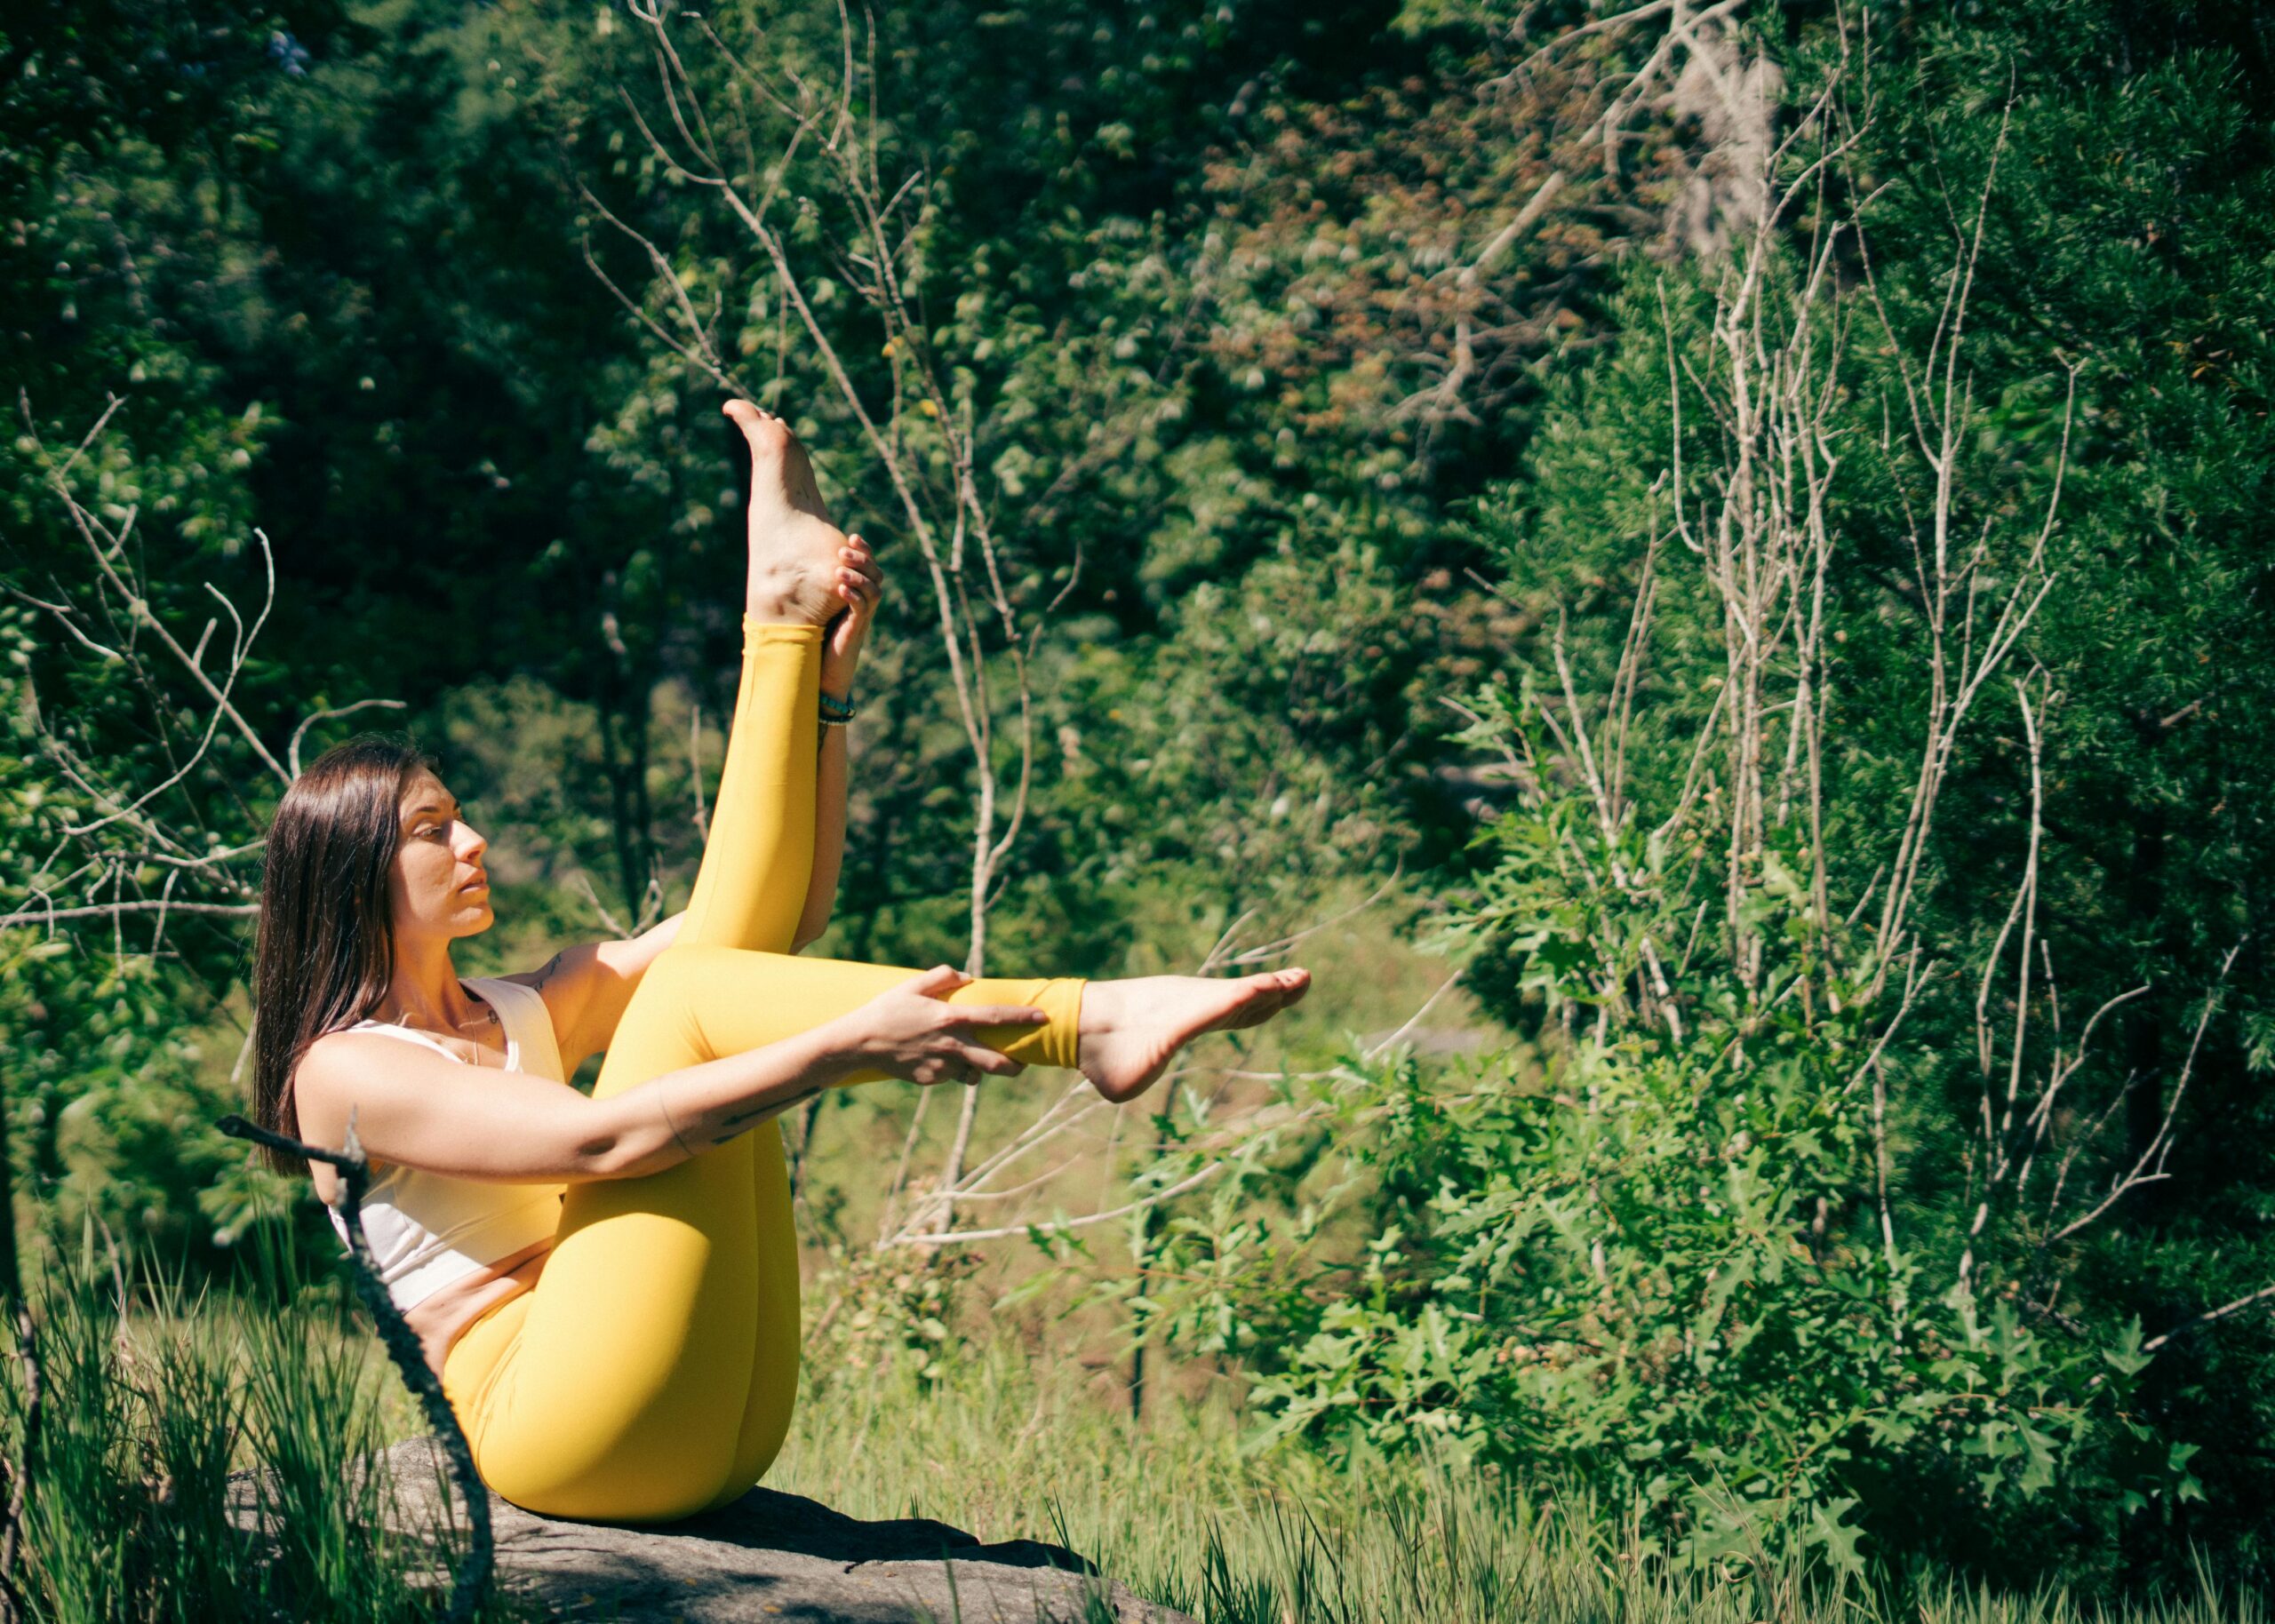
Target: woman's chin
<point>476,919</point>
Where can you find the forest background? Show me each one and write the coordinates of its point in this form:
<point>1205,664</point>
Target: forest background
<point>1715,557</point>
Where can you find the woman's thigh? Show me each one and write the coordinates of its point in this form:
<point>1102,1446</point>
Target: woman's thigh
<point>623,1397</point>
<point>740,1000</point>
<point>656,1367</point>
<point>633,1364</point>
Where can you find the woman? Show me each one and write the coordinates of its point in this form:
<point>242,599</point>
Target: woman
<point>609,1286</point>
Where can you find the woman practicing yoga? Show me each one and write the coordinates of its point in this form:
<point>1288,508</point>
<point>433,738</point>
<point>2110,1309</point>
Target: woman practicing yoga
<point>609,1286</point>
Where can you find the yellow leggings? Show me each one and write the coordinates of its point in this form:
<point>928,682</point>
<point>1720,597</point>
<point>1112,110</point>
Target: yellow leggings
<point>651,1370</point>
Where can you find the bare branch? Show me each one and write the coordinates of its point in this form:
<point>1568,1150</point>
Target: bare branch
<point>45,916</point>
<point>293,751</point>
<point>2148,1166</point>
<point>2212,1316</point>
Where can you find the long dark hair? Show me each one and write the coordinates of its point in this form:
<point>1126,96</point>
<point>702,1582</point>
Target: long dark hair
<point>324,952</point>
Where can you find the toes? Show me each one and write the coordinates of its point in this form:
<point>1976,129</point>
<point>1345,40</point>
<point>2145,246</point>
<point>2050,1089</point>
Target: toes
<point>765,432</point>
<point>1271,991</point>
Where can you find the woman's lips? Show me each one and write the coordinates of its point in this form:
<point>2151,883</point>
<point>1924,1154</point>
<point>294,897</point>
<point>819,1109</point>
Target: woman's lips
<point>470,884</point>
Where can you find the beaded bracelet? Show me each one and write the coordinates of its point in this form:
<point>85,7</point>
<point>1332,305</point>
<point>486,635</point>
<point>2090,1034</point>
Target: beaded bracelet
<point>836,712</point>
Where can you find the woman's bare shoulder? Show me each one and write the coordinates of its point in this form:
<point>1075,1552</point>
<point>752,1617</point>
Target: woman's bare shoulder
<point>327,1051</point>
<point>343,1055</point>
<point>332,1061</point>
<point>552,973</point>
<point>559,977</point>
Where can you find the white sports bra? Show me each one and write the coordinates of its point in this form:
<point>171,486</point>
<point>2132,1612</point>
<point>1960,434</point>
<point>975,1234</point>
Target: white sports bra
<point>428,1229</point>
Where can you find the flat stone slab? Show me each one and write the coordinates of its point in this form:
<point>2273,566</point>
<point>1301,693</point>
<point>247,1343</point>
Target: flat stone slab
<point>768,1557</point>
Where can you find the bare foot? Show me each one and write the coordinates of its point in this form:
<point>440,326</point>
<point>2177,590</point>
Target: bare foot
<point>795,552</point>
<point>1131,1028</point>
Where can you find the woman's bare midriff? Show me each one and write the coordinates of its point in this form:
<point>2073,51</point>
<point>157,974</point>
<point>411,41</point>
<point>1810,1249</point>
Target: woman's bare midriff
<point>442,1318</point>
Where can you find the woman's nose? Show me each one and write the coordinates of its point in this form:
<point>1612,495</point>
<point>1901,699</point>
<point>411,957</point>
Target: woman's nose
<point>475,844</point>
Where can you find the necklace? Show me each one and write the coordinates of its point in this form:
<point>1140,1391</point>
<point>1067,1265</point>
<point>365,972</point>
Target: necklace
<point>489,1015</point>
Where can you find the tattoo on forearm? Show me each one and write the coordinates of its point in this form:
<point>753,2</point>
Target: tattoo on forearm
<point>552,969</point>
<point>731,1126</point>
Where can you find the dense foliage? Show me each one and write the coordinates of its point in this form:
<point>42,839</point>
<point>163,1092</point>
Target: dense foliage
<point>1758,1239</point>
<point>1347,528</point>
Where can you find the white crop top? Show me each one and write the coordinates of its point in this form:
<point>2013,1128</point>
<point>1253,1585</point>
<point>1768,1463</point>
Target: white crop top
<point>426,1229</point>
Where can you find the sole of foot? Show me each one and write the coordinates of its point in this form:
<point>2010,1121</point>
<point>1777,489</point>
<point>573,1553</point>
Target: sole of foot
<point>1131,1030</point>
<point>795,549</point>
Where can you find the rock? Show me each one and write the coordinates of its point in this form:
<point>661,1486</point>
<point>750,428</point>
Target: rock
<point>769,1556</point>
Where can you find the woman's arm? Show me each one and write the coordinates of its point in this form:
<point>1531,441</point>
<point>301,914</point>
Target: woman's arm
<point>830,837</point>
<point>860,585</point>
<point>415,1109</point>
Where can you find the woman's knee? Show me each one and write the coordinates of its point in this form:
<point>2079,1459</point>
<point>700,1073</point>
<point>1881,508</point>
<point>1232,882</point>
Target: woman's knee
<point>662,1028</point>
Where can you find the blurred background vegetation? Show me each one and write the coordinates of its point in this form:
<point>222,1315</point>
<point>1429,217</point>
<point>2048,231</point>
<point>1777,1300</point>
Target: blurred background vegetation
<point>1704,565</point>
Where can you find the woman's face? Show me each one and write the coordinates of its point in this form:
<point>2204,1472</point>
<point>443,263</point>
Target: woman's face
<point>438,885</point>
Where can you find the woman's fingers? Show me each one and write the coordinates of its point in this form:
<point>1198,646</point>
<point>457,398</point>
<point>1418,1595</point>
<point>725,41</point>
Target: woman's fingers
<point>939,979</point>
<point>989,1061</point>
<point>944,1070</point>
<point>858,567</point>
<point>936,1049</point>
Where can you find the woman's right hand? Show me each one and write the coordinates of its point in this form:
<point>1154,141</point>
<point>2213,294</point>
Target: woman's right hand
<point>861,585</point>
<point>911,1031</point>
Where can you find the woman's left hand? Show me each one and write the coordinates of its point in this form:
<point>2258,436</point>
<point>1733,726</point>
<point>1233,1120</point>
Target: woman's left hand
<point>860,584</point>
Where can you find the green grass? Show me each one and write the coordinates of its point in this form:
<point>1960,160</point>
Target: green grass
<point>1005,1445</point>
<point>1007,1440</point>
<point>145,1413</point>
